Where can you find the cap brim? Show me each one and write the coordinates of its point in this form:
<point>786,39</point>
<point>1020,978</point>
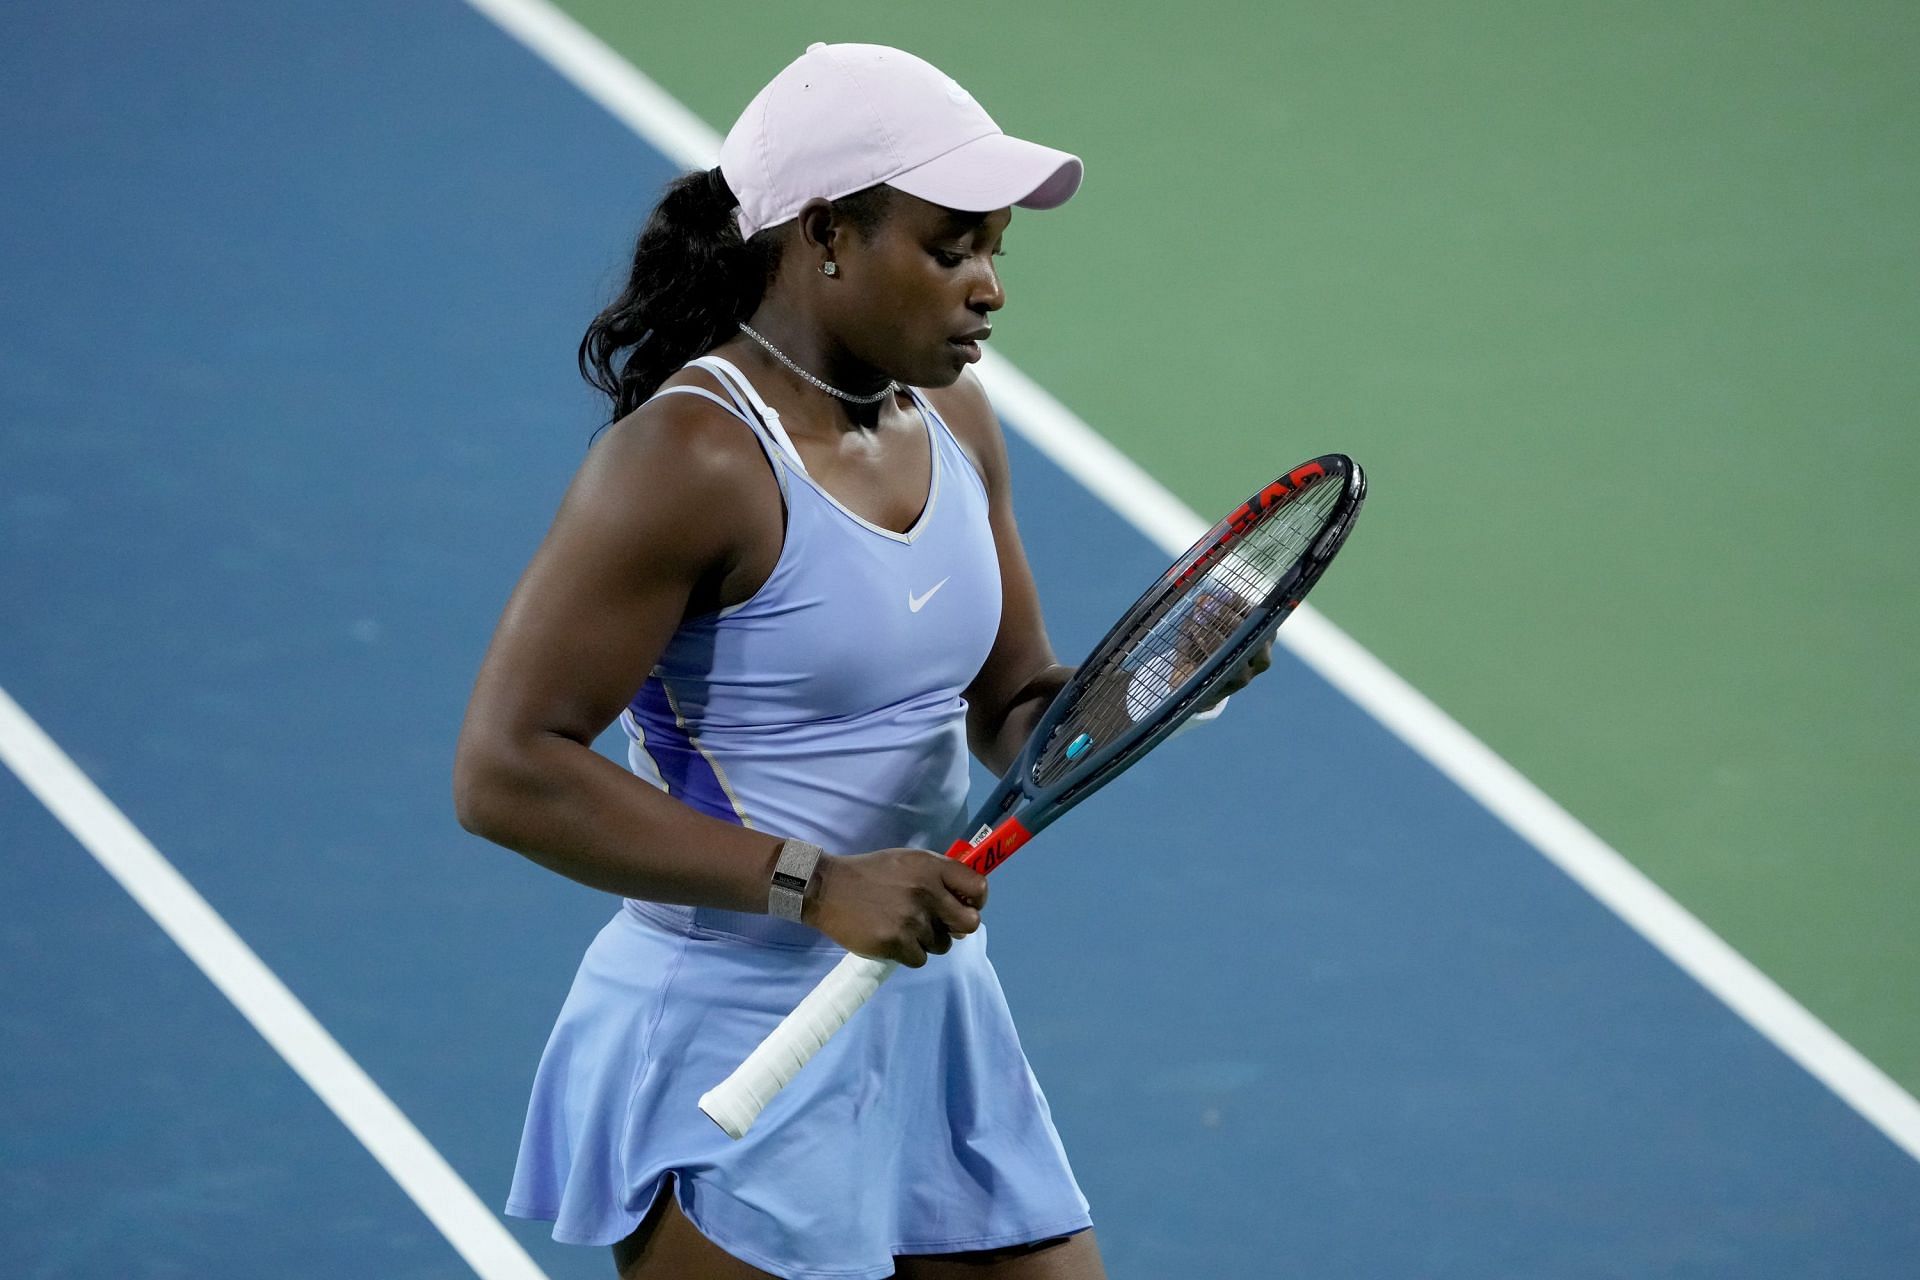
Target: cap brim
<point>992,172</point>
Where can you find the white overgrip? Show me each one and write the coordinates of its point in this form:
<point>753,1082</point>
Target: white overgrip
<point>736,1102</point>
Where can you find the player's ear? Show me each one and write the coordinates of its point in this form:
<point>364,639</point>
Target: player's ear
<point>819,234</point>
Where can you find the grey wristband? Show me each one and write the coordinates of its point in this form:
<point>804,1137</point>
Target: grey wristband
<point>791,875</point>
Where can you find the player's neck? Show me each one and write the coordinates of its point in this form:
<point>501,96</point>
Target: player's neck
<point>802,341</point>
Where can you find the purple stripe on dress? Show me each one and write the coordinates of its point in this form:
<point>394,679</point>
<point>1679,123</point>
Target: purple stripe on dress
<point>688,774</point>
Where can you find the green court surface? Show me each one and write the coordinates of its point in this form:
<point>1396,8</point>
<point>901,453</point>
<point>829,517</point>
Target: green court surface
<point>1619,305</point>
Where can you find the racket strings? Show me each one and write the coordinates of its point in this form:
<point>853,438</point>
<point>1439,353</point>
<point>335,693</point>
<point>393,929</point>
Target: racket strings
<point>1146,668</point>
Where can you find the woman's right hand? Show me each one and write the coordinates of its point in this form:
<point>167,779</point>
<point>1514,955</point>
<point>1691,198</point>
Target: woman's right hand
<point>894,904</point>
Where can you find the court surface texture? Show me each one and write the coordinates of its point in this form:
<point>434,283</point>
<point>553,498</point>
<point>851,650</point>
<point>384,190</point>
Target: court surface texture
<point>287,400</point>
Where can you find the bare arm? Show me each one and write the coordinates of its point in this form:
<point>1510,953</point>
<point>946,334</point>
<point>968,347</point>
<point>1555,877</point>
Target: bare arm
<point>674,512</point>
<point>633,542</point>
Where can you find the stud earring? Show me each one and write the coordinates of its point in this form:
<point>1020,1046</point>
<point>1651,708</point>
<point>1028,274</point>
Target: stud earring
<point>829,268</point>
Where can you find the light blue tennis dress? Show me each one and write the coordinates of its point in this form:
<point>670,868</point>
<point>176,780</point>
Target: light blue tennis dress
<point>827,707</point>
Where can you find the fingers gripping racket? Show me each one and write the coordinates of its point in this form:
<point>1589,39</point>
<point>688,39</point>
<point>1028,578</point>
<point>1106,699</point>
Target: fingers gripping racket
<point>1155,668</point>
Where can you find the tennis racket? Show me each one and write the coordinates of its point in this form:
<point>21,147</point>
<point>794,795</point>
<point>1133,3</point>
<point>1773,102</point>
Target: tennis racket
<point>1157,665</point>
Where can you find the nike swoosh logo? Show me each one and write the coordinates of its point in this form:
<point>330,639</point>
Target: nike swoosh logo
<point>917,603</point>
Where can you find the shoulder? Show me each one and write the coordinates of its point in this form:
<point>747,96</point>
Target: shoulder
<point>968,413</point>
<point>678,469</point>
<point>680,448</point>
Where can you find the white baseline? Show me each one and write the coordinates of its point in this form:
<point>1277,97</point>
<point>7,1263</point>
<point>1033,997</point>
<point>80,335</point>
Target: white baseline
<point>667,125</point>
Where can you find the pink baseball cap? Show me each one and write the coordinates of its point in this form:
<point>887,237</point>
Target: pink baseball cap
<point>843,117</point>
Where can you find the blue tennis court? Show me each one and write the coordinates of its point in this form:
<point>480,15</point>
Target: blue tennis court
<point>286,401</point>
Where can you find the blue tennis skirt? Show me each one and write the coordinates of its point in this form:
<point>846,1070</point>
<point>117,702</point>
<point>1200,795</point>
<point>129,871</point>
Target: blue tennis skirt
<point>918,1129</point>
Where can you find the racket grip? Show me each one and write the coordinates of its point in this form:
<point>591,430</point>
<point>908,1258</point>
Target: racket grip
<point>736,1102</point>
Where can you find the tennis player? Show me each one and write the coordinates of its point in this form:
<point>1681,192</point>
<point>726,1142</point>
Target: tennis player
<point>790,570</point>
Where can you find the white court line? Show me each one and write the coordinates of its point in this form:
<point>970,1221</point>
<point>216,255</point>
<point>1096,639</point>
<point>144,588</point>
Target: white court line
<point>275,1012</point>
<point>613,82</point>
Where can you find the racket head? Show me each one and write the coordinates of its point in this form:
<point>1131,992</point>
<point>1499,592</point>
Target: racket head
<point>1217,602</point>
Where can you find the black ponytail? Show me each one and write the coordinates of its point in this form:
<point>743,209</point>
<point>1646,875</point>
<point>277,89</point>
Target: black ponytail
<point>693,281</point>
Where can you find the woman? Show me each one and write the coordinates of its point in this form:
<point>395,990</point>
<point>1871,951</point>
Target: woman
<point>796,543</point>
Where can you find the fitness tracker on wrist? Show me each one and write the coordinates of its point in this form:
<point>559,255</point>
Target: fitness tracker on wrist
<point>791,875</point>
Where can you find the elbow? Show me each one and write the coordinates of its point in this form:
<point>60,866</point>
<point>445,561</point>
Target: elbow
<point>469,797</point>
<point>469,803</point>
<point>482,779</point>
<point>982,741</point>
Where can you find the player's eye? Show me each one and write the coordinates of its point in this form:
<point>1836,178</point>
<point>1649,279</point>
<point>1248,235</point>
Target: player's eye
<point>948,258</point>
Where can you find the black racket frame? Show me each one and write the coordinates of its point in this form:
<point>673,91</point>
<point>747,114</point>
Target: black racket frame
<point>992,839</point>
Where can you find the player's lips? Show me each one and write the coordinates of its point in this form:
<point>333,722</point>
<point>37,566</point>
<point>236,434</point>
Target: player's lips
<point>969,343</point>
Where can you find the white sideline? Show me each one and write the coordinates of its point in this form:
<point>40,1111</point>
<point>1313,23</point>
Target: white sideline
<point>275,1012</point>
<point>619,87</point>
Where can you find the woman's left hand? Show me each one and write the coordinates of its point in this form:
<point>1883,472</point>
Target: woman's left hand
<point>1255,663</point>
<point>1214,615</point>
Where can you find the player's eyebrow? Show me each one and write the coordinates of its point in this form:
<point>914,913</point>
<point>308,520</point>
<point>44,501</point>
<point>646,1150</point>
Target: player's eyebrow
<point>959,221</point>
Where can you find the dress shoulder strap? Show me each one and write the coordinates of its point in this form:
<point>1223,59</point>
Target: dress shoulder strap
<point>705,394</point>
<point>776,454</point>
<point>748,401</point>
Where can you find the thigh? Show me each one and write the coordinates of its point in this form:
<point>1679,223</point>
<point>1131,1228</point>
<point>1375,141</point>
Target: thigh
<point>1074,1257</point>
<point>665,1246</point>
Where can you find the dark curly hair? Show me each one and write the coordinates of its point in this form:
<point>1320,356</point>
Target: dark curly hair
<point>693,281</point>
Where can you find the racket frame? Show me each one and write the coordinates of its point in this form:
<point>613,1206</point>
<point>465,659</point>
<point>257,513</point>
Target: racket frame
<point>1018,808</point>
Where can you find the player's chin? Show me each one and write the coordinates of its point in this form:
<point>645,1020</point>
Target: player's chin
<point>944,367</point>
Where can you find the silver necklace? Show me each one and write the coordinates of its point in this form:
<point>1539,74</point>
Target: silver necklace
<point>850,398</point>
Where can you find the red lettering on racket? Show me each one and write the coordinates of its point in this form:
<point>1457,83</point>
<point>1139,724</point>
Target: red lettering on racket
<point>993,850</point>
